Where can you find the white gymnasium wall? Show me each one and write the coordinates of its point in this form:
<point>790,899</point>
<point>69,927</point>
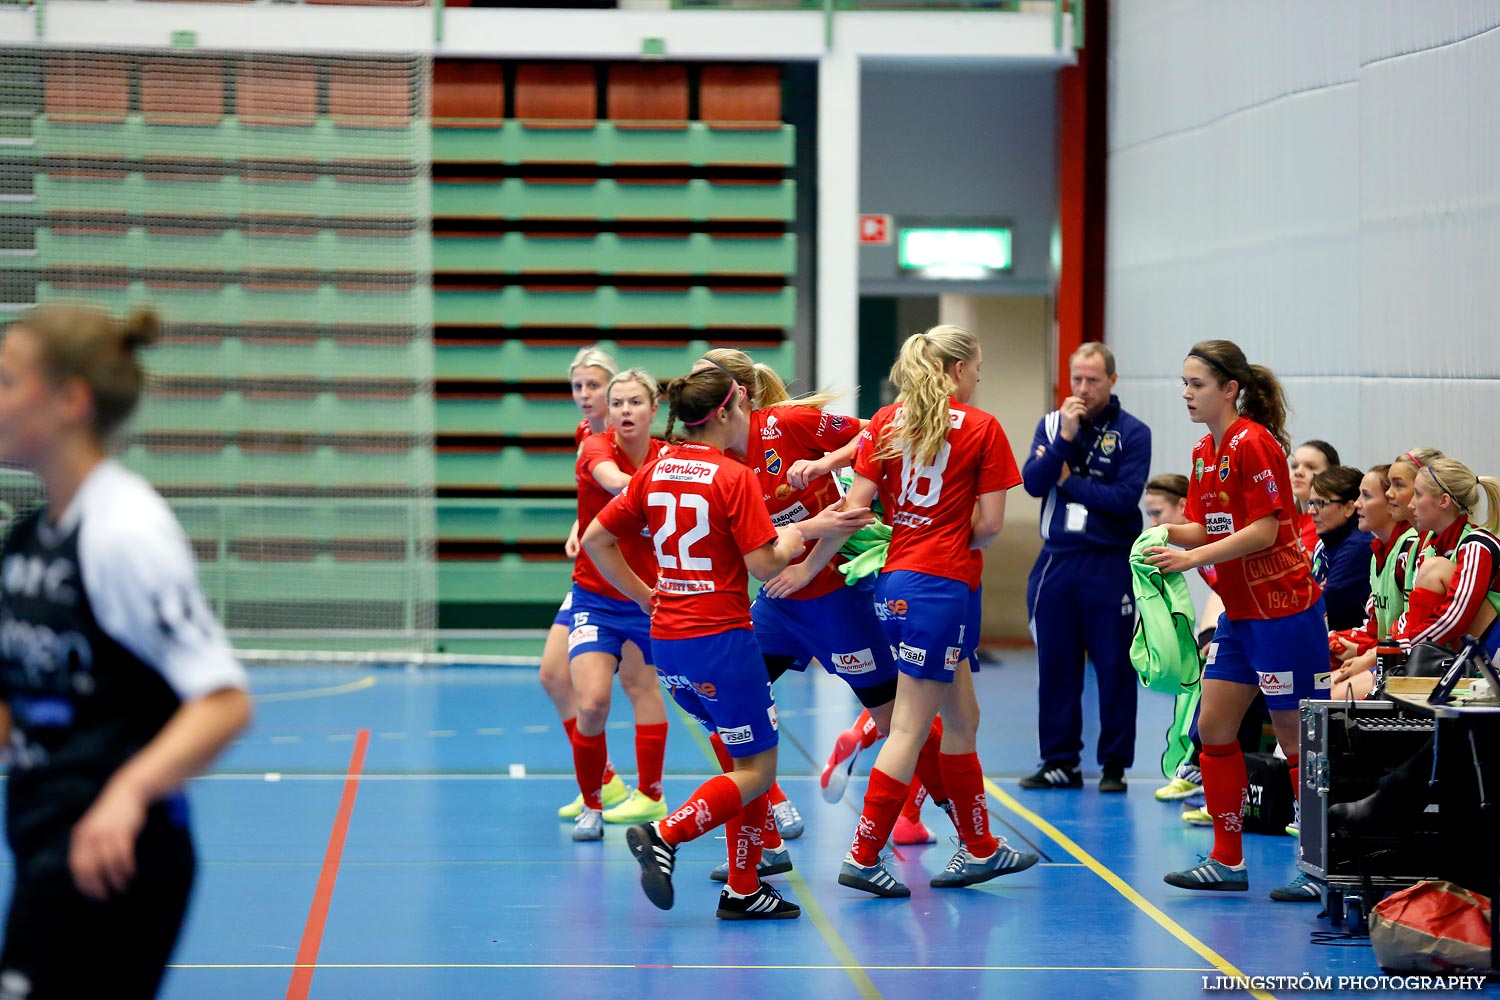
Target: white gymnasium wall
<point>1319,182</point>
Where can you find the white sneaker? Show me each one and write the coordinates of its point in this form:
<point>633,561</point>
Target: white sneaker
<point>589,826</point>
<point>788,820</point>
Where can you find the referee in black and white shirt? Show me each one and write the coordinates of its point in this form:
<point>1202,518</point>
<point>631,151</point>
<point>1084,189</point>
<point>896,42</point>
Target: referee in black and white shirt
<point>117,684</point>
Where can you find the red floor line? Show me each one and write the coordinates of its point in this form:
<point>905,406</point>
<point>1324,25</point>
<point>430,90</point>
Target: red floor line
<point>317,914</point>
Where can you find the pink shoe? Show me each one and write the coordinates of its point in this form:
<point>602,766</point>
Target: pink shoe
<point>835,777</point>
<point>907,832</point>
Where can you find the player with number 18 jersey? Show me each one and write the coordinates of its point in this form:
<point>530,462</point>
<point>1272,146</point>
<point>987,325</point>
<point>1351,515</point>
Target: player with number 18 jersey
<point>929,509</point>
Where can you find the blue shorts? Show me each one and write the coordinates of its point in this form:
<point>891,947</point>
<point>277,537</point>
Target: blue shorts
<point>972,624</point>
<point>599,624</point>
<point>1287,658</point>
<point>928,622</point>
<point>564,616</point>
<point>720,680</point>
<point>839,629</point>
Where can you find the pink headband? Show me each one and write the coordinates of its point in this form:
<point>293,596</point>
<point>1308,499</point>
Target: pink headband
<point>697,423</point>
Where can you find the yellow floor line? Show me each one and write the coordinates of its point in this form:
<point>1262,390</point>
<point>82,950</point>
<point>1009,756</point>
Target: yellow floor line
<point>805,895</point>
<point>323,692</point>
<point>1121,886</point>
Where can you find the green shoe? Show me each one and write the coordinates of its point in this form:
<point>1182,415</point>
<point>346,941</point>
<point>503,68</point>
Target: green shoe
<point>1197,817</point>
<point>638,808</point>
<point>611,794</point>
<point>1184,784</point>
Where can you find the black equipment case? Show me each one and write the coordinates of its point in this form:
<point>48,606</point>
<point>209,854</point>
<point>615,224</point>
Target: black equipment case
<point>1346,747</point>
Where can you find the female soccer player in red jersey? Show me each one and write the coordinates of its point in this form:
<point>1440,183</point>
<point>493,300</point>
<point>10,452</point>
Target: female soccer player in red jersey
<point>1458,567</point>
<point>1273,633</point>
<point>605,623</point>
<point>808,612</point>
<point>588,376</point>
<point>942,468</point>
<point>708,524</point>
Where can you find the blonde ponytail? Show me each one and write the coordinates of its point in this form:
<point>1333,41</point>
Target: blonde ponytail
<point>921,378</point>
<point>1491,489</point>
<point>761,380</point>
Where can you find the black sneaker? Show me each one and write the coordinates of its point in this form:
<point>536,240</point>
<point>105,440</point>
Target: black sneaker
<point>764,904</point>
<point>1054,776</point>
<point>657,858</point>
<point>1113,780</point>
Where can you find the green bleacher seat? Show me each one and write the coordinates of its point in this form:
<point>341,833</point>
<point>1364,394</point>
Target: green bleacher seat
<point>606,307</point>
<point>516,359</point>
<point>507,580</point>
<point>506,467</point>
<point>606,199</point>
<point>606,144</point>
<point>611,253</point>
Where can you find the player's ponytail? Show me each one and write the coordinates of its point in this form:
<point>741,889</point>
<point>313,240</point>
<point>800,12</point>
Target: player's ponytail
<point>765,386</point>
<point>85,343</point>
<point>1491,489</point>
<point>921,378</point>
<point>694,398</point>
<point>1261,396</point>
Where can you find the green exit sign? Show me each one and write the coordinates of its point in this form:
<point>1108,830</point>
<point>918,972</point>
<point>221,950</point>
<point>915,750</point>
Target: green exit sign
<point>184,39</point>
<point>955,252</point>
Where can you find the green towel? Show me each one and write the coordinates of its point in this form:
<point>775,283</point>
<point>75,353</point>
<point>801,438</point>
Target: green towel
<point>865,549</point>
<point>1163,650</point>
<point>1180,733</point>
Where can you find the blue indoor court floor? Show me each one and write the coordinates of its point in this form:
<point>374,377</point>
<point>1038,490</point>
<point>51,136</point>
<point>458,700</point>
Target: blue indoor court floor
<point>442,871</point>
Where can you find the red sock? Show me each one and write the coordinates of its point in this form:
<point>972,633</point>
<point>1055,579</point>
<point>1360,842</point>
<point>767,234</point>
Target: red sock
<point>589,755</point>
<point>1294,766</point>
<point>1423,607</point>
<point>721,752</point>
<point>775,795</point>
<point>745,840</point>
<point>970,808</point>
<point>715,802</point>
<point>772,838</point>
<point>912,811</point>
<point>570,726</point>
<point>869,733</point>
<point>883,799</point>
<point>929,770</point>
<point>650,749</point>
<point>1224,786</point>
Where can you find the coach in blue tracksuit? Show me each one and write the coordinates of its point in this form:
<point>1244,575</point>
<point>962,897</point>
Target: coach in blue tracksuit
<point>1088,464</point>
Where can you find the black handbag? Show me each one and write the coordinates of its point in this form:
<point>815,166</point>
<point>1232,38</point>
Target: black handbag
<point>1427,659</point>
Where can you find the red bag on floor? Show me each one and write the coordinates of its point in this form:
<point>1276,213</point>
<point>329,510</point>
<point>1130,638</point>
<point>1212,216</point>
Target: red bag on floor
<point>1431,927</point>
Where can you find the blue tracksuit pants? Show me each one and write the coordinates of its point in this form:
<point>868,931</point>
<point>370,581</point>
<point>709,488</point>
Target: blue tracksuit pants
<point>1081,605</point>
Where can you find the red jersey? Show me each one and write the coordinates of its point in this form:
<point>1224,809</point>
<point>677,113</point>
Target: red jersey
<point>704,513</point>
<point>1244,481</point>
<point>583,431</point>
<point>930,508</point>
<point>1445,618</point>
<point>781,436</point>
<point>592,497</point>
<point>1307,530</point>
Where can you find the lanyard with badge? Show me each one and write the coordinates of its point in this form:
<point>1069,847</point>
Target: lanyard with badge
<point>1076,515</point>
